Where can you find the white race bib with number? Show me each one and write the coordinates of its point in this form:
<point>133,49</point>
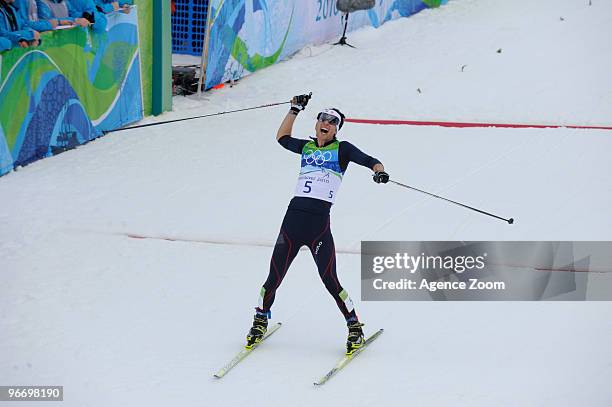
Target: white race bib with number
<point>320,175</point>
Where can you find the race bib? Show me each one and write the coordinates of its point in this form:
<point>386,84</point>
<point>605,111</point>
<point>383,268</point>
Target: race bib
<point>320,174</point>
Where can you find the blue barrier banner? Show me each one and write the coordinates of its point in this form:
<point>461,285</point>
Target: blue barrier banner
<point>248,35</point>
<point>68,91</point>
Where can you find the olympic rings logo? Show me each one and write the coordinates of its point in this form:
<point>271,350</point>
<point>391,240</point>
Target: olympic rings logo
<point>317,157</point>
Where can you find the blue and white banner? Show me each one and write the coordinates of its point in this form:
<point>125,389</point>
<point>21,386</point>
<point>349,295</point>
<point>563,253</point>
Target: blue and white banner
<point>76,85</point>
<point>248,35</point>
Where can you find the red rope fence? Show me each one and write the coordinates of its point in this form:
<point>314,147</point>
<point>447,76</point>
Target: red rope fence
<point>464,124</point>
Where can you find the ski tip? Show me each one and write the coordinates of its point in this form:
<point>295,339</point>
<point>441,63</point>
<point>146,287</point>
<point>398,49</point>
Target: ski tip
<point>217,376</point>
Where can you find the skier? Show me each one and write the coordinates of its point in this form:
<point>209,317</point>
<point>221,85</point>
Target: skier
<point>324,161</point>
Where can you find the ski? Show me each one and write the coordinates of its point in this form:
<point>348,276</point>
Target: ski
<point>347,358</point>
<point>245,352</point>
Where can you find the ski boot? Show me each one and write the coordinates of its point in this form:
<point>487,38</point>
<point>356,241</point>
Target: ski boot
<point>258,330</point>
<point>355,338</point>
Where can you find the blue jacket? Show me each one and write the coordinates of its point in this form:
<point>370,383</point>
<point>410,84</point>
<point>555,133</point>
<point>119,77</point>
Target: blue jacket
<point>16,31</point>
<point>45,13</point>
<point>107,5</point>
<point>78,7</point>
<point>5,44</point>
<point>23,7</point>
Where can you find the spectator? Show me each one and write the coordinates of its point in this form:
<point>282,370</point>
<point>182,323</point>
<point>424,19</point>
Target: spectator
<point>5,44</point>
<point>29,13</point>
<point>14,28</point>
<point>87,9</point>
<point>60,12</point>
<point>109,6</point>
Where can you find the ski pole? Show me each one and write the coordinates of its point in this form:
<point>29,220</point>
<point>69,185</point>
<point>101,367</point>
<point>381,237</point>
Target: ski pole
<point>195,117</point>
<point>510,221</point>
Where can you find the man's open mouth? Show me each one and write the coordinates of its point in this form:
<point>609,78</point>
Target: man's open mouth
<point>324,131</point>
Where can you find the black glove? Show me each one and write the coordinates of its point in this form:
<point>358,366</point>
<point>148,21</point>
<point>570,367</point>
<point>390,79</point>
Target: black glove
<point>298,103</point>
<point>89,17</point>
<point>381,177</point>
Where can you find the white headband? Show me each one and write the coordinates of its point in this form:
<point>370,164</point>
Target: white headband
<point>332,112</point>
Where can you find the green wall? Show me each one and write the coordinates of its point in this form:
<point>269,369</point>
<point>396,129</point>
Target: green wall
<point>155,33</point>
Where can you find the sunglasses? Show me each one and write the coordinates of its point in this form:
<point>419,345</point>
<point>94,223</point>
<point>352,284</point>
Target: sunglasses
<point>331,119</point>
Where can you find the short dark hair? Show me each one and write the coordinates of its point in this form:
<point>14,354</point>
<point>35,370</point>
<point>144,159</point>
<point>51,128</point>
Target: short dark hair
<point>342,116</point>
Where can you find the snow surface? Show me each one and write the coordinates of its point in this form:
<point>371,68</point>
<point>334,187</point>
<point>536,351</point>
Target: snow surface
<point>120,321</point>
<point>186,60</point>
